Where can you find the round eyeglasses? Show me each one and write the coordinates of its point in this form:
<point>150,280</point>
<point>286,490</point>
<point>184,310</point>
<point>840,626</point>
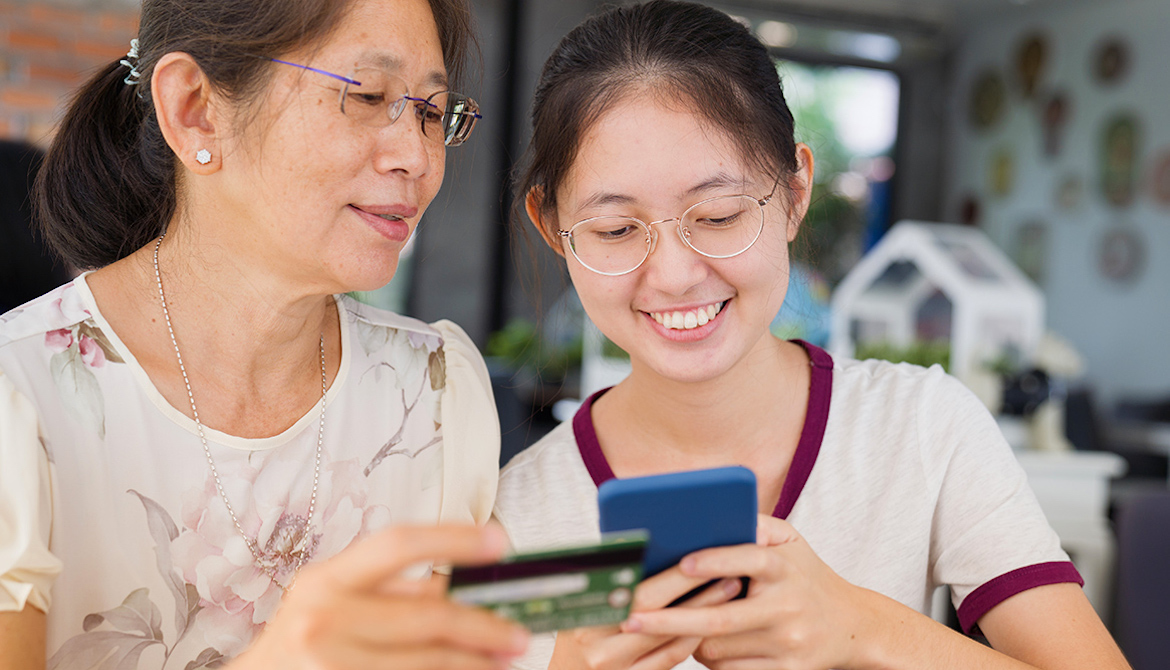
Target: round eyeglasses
<point>376,98</point>
<point>719,227</point>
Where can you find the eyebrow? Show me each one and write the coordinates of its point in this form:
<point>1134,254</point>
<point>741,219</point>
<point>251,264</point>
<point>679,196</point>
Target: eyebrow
<point>387,61</point>
<point>718,180</point>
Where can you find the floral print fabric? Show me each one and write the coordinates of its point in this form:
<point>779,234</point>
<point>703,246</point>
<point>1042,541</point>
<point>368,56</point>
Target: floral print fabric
<point>155,573</point>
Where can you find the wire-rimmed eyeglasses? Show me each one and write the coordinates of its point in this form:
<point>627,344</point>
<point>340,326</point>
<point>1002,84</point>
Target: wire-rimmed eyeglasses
<point>719,227</point>
<point>374,97</point>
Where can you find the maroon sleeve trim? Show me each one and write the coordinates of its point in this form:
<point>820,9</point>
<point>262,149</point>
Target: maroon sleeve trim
<point>816,417</point>
<point>994,592</point>
<point>587,442</point>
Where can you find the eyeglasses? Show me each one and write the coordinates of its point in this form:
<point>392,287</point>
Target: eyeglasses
<point>374,97</point>
<point>719,227</point>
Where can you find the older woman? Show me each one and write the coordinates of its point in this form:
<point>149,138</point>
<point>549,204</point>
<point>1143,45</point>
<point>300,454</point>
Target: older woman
<point>191,432</point>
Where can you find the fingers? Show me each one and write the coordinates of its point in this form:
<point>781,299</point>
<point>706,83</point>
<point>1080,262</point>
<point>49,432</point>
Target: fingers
<point>771,531</point>
<point>732,617</point>
<point>747,560</point>
<point>664,588</point>
<point>742,645</point>
<point>373,560</point>
<point>668,655</point>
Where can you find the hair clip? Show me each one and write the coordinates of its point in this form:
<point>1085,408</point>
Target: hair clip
<point>131,61</point>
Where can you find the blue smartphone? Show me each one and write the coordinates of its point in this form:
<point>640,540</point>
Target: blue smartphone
<point>683,511</point>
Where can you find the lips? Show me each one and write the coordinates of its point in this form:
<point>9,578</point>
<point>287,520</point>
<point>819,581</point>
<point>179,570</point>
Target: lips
<point>390,221</point>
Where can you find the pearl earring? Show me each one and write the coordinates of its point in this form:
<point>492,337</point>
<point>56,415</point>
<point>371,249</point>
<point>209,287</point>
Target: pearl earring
<point>203,156</point>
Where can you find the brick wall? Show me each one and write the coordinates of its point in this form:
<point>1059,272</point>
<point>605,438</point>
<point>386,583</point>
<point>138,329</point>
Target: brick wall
<point>46,52</point>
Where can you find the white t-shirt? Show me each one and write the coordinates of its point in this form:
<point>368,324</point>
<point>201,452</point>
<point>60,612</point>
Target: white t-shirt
<point>109,517</point>
<point>900,482</point>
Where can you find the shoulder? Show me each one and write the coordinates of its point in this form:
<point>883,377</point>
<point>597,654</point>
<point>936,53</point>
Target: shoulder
<point>546,496</point>
<point>60,309</point>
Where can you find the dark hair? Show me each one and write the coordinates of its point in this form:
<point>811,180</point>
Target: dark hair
<point>27,266</point>
<point>109,186</point>
<point>681,49</point>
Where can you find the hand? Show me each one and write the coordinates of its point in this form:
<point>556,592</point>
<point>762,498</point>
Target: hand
<point>356,611</point>
<point>798,614</point>
<point>608,647</point>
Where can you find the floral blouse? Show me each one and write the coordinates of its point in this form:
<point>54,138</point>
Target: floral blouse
<point>109,517</point>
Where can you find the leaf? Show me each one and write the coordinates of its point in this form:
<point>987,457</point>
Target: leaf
<point>79,390</point>
<point>100,650</point>
<point>98,336</point>
<point>373,338</point>
<point>136,614</point>
<point>208,658</point>
<point>437,365</point>
<point>164,531</point>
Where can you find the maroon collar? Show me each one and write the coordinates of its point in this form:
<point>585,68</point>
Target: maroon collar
<point>815,420</point>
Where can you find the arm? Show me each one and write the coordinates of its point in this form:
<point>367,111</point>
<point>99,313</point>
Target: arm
<point>22,640</point>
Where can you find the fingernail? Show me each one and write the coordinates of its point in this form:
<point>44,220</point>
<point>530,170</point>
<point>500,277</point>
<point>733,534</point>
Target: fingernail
<point>688,564</point>
<point>631,625</point>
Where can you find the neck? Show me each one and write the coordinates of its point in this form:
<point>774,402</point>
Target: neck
<point>750,415</point>
<point>250,342</point>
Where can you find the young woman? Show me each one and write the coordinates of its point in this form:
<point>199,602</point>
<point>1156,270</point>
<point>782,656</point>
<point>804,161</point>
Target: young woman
<point>664,171</point>
<point>201,444</point>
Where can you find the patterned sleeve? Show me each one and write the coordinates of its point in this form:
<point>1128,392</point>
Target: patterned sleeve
<point>27,567</point>
<point>990,539</point>
<point>471,431</point>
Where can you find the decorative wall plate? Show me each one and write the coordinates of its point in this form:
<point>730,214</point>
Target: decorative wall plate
<point>1057,111</point>
<point>1119,159</point>
<point>988,96</point>
<point>1002,173</point>
<point>1122,255</point>
<point>1111,60</point>
<point>1031,57</point>
<point>1030,250</point>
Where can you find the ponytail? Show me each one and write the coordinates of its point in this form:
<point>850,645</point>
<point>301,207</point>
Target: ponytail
<point>107,186</point>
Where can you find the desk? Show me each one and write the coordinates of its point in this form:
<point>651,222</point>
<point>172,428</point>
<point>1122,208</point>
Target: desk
<point>1073,490</point>
<point>1153,436</point>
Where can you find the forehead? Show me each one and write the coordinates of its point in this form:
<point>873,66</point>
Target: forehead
<point>397,35</point>
<point>645,148</point>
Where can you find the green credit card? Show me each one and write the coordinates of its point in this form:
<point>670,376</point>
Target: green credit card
<point>563,588</point>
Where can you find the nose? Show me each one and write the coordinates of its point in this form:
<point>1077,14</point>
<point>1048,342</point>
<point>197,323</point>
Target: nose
<point>673,267</point>
<point>402,147</point>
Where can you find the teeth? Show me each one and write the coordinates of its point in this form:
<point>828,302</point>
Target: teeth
<point>687,320</point>
<point>391,217</point>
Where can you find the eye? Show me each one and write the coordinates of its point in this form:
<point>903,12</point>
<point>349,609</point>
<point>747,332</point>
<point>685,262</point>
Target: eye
<point>613,230</point>
<point>370,98</point>
<point>720,222</point>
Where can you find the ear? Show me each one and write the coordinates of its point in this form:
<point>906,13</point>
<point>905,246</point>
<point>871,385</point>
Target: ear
<point>187,110</point>
<point>533,205</point>
<point>802,188</point>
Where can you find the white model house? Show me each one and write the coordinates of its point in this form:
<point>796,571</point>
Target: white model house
<point>932,282</point>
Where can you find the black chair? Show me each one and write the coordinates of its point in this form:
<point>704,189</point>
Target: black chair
<point>1087,431</point>
<point>1141,621</point>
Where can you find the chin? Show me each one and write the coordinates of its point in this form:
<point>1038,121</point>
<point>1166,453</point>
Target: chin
<point>368,276</point>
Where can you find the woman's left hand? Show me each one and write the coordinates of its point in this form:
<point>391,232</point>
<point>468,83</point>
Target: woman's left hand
<point>798,613</point>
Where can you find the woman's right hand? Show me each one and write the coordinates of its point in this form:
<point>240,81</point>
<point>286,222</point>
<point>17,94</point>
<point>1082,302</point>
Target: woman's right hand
<point>356,611</point>
<point>606,647</point>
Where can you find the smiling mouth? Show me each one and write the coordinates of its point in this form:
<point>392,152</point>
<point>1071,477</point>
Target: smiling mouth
<point>689,319</point>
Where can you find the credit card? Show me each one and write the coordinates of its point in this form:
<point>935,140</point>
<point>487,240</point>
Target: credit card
<point>563,588</point>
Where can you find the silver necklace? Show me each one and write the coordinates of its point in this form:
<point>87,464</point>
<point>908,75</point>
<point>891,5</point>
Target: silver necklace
<point>298,539</point>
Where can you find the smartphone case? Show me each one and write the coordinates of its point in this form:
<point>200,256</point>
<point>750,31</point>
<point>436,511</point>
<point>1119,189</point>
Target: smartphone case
<point>683,511</point>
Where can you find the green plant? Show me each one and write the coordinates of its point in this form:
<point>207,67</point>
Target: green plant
<point>521,344</point>
<point>925,354</point>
